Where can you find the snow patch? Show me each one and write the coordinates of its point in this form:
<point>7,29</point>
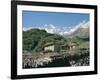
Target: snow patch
<point>50,28</point>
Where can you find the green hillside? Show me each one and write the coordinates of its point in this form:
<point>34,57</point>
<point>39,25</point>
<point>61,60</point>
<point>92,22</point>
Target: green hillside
<point>35,39</point>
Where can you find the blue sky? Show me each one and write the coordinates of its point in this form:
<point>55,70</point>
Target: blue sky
<point>60,19</point>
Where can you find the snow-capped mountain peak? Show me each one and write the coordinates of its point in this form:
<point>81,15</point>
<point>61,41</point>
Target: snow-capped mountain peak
<point>80,25</point>
<point>50,28</point>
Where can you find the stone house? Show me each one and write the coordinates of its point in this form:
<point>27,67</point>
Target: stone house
<point>60,47</point>
<point>52,47</point>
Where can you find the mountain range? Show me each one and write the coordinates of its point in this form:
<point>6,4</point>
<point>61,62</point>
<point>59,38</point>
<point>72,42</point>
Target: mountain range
<point>81,30</point>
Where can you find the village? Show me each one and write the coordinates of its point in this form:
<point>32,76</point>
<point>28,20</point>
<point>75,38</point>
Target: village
<point>55,53</point>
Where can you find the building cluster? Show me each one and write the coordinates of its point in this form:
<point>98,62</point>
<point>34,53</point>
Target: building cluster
<point>60,47</point>
<point>52,52</point>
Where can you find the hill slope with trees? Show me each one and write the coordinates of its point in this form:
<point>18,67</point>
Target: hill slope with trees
<point>35,39</point>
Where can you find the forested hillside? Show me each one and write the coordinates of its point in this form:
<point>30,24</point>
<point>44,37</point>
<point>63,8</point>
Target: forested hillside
<point>35,39</point>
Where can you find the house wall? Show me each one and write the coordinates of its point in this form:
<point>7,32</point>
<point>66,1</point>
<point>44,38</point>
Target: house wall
<point>51,48</point>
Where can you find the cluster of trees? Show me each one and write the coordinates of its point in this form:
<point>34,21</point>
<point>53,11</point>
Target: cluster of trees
<point>35,39</point>
<point>78,40</point>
